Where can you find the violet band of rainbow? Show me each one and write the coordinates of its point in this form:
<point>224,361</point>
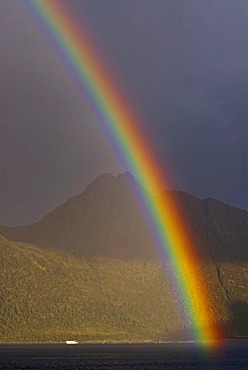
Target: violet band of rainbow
<point>116,115</point>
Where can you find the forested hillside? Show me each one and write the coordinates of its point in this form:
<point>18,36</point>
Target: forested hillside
<point>49,296</point>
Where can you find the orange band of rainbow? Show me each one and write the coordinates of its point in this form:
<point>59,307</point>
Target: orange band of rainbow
<point>124,126</point>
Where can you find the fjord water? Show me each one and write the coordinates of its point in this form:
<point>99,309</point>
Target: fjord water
<point>231,355</point>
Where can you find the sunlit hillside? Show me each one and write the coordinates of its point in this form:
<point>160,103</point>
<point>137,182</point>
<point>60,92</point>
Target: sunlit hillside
<point>90,270</point>
<point>48,296</point>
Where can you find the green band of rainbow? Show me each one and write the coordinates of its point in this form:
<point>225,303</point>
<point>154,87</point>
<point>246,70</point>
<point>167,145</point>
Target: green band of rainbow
<point>125,128</point>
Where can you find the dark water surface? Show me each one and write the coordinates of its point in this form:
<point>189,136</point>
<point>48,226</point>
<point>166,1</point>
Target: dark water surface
<point>231,355</point>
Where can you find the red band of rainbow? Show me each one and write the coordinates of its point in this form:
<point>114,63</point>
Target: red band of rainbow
<point>116,114</point>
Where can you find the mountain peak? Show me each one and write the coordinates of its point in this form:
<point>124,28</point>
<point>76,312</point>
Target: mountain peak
<point>107,220</point>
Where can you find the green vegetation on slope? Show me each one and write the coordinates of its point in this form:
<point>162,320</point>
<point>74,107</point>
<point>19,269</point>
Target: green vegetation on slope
<point>49,296</point>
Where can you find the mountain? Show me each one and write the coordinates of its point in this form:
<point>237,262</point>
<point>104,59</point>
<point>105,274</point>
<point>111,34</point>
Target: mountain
<point>106,220</point>
<point>90,268</point>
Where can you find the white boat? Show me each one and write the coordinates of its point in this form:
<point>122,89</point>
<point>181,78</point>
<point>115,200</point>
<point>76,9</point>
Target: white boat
<point>71,342</point>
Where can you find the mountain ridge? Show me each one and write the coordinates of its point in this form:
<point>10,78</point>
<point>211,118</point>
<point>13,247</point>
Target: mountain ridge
<point>82,224</point>
<point>90,268</point>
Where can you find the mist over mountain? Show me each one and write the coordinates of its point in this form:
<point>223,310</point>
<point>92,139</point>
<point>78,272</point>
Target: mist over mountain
<point>91,268</point>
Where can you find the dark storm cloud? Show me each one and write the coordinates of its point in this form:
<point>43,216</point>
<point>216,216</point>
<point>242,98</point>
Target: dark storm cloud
<point>183,66</point>
<point>186,67</point>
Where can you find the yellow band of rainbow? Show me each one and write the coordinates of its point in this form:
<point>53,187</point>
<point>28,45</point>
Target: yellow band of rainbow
<point>182,252</point>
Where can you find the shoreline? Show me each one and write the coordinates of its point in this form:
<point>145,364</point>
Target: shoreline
<point>127,342</point>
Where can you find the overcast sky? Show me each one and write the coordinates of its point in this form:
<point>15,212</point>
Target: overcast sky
<point>184,66</point>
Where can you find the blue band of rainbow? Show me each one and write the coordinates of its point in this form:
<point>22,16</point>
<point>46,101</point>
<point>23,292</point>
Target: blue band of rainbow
<point>116,115</point>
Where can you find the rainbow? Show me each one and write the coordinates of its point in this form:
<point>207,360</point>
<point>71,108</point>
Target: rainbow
<point>115,113</point>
